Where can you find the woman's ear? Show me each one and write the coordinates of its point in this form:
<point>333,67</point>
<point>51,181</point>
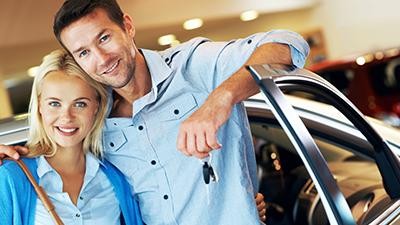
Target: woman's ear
<point>39,107</point>
<point>128,24</point>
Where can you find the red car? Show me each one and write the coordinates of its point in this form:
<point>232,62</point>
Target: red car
<point>371,81</point>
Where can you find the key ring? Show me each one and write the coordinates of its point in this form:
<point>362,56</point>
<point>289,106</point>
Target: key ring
<point>208,171</point>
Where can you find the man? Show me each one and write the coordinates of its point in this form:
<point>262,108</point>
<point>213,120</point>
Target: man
<point>185,98</point>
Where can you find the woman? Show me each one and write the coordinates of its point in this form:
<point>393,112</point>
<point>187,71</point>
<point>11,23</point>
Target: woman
<point>67,109</point>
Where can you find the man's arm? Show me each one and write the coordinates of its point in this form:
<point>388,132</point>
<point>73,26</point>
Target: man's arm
<point>11,151</point>
<point>198,134</point>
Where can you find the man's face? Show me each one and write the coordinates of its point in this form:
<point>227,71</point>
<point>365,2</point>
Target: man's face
<point>102,48</point>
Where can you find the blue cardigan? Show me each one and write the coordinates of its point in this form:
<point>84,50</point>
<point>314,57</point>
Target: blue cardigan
<point>18,198</point>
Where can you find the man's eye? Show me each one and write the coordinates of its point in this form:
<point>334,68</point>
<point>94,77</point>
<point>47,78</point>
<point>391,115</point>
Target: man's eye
<point>54,104</point>
<point>80,104</point>
<point>104,38</point>
<point>83,53</point>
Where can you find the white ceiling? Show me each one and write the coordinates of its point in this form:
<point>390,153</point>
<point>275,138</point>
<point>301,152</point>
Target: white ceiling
<point>26,25</point>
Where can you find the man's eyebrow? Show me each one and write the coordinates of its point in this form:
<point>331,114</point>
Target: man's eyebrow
<point>97,37</point>
<point>78,50</point>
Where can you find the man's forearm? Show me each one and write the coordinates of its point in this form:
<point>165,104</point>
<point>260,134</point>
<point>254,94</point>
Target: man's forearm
<point>241,85</point>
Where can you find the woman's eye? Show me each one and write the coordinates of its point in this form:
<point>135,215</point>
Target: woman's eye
<point>80,104</point>
<point>54,104</point>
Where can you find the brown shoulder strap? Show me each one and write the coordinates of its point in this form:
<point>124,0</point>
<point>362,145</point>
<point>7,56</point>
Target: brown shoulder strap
<point>40,192</point>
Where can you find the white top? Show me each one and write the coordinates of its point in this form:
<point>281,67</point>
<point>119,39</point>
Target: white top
<point>97,203</point>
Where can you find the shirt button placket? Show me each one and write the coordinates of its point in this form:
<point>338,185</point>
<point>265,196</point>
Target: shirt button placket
<point>78,218</point>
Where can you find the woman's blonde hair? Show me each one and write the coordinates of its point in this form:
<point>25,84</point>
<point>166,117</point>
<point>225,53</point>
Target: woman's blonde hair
<point>38,142</point>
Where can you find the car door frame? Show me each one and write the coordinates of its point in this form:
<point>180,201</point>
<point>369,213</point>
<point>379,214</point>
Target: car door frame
<point>272,80</point>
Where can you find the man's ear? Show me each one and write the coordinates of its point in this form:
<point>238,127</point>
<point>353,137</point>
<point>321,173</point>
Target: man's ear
<point>129,27</point>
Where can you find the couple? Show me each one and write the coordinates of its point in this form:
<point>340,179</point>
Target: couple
<point>162,108</point>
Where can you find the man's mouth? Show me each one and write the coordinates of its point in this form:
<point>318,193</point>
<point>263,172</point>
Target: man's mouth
<point>112,68</point>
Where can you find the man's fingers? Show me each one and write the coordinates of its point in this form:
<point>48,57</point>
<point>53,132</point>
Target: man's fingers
<point>21,149</point>
<point>191,147</point>
<point>9,151</point>
<point>201,155</point>
<point>261,206</point>
<point>181,143</point>
<point>211,137</point>
<point>262,212</point>
<point>201,143</point>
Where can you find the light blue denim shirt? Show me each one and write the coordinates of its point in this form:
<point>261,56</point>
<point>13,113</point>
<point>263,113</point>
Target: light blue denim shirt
<point>169,186</point>
<point>97,202</point>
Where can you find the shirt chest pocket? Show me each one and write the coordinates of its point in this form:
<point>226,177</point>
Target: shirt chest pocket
<point>113,140</point>
<point>177,107</point>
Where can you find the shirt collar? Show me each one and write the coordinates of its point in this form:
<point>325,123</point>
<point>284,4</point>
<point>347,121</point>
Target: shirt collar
<point>43,166</point>
<point>92,165</point>
<point>159,72</point>
<point>158,68</point>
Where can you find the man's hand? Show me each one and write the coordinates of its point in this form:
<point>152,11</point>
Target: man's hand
<point>11,151</point>
<point>198,134</point>
<point>261,206</point>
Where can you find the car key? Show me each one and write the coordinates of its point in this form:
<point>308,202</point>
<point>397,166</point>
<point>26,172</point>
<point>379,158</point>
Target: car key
<point>208,171</point>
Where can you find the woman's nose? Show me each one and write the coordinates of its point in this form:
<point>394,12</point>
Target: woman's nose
<point>67,114</point>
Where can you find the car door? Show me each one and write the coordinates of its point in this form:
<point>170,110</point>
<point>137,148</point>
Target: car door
<point>273,79</point>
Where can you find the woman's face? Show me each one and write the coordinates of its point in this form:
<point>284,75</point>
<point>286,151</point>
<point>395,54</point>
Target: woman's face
<point>68,107</point>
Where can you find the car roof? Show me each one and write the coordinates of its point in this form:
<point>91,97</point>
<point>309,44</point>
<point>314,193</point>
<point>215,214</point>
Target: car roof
<point>322,110</point>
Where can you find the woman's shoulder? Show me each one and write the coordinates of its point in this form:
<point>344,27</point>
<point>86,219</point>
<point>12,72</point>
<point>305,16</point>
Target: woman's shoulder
<point>10,168</point>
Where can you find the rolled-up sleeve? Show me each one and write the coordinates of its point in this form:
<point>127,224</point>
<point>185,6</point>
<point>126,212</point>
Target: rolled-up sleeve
<point>213,62</point>
<point>299,48</point>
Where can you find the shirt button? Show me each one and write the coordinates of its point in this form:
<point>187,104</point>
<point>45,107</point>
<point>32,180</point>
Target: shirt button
<point>140,127</point>
<point>167,59</point>
<point>153,162</point>
<point>78,215</point>
<point>81,198</point>
<point>249,41</point>
<point>112,144</point>
<point>165,197</point>
<point>176,111</point>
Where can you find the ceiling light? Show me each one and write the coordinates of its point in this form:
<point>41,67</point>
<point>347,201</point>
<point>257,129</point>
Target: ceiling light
<point>192,24</point>
<point>249,15</point>
<point>175,42</point>
<point>33,71</point>
<point>379,55</point>
<point>360,61</point>
<point>166,39</point>
<point>392,52</point>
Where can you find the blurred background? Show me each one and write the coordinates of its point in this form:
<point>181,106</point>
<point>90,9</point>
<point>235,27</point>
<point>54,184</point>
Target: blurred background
<point>345,36</point>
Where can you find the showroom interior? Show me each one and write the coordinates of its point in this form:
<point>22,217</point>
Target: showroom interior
<point>325,139</point>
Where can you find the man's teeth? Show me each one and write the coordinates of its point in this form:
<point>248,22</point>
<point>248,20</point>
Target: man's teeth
<point>112,68</point>
<point>67,130</point>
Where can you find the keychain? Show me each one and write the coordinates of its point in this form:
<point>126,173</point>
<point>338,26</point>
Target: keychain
<point>208,171</point>
<point>208,175</point>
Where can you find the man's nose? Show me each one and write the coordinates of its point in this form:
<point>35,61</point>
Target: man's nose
<point>101,56</point>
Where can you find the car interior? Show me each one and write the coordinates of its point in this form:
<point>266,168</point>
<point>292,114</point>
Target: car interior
<point>291,195</point>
